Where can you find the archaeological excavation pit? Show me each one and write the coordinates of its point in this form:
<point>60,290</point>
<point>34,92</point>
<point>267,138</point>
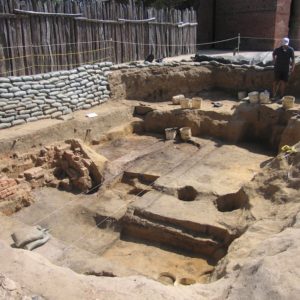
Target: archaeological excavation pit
<point>120,200</point>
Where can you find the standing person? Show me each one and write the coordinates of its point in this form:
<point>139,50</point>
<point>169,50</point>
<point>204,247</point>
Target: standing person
<point>283,58</point>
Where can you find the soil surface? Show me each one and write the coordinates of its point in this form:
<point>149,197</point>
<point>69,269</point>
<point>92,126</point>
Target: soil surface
<point>214,212</point>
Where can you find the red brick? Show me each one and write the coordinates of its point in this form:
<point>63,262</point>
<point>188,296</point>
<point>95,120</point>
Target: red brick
<point>34,173</point>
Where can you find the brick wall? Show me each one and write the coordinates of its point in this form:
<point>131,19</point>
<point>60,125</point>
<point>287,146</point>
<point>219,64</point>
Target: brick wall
<point>255,18</point>
<point>7,188</point>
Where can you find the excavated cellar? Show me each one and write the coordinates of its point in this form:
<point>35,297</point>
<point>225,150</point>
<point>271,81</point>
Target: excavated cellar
<point>121,200</point>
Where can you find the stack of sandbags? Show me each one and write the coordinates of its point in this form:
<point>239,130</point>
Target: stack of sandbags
<point>30,238</point>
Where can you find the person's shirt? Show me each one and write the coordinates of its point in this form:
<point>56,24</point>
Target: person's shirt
<point>283,57</point>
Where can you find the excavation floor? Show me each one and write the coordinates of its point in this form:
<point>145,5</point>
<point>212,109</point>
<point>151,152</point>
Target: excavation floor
<point>84,243</point>
<point>152,261</point>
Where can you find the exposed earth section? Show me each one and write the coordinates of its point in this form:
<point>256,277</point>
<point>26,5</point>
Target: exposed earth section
<point>131,214</point>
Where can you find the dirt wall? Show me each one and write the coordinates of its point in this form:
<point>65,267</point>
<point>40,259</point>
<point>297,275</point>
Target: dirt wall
<point>268,125</point>
<point>160,83</point>
<point>51,131</point>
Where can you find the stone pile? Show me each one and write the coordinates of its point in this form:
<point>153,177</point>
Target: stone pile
<point>50,95</point>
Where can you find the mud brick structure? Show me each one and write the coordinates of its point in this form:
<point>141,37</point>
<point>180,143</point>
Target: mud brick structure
<point>7,187</point>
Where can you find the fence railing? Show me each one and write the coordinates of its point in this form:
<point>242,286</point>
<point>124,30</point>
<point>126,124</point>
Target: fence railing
<point>45,35</point>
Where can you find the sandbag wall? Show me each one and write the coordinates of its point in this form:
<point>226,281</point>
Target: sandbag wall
<point>50,95</point>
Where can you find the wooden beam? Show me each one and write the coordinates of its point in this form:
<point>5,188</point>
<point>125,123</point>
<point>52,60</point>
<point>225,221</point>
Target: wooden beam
<point>46,14</point>
<point>83,19</point>
<point>7,16</point>
<point>187,24</point>
<point>179,24</point>
<point>136,21</point>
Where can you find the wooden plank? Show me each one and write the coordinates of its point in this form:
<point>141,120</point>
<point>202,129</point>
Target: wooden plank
<point>48,14</point>
<point>7,16</point>
<point>136,21</point>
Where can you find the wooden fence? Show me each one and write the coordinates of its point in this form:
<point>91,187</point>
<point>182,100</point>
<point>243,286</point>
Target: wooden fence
<point>39,36</point>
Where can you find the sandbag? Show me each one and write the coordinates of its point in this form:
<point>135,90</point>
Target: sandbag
<point>26,235</point>
<point>38,242</point>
